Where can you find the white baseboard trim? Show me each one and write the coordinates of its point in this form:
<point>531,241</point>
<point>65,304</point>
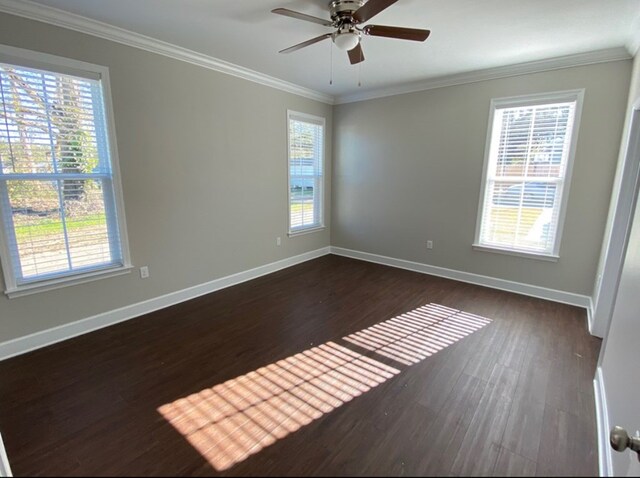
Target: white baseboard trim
<point>602,420</point>
<point>492,282</point>
<point>51,336</point>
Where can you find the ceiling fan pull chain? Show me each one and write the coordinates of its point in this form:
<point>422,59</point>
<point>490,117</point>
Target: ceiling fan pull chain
<point>331,63</point>
<point>359,74</point>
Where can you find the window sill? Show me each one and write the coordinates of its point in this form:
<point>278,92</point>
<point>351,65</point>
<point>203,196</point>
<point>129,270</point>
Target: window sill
<point>58,283</point>
<point>509,252</point>
<point>302,232</point>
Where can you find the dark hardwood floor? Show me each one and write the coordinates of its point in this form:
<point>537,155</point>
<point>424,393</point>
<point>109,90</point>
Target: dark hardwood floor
<point>510,398</point>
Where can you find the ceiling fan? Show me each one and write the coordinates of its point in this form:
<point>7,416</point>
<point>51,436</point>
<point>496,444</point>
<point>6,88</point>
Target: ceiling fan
<point>347,17</point>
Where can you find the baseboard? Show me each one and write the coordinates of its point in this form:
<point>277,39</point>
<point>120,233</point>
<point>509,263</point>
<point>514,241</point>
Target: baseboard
<point>486,281</point>
<point>602,420</point>
<point>51,336</point>
<point>5,469</point>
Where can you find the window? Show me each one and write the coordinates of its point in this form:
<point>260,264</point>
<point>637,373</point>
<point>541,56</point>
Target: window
<point>60,204</point>
<point>306,172</point>
<point>531,142</point>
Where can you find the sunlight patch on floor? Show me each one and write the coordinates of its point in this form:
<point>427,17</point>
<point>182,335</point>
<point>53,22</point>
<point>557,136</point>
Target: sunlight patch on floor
<point>412,337</point>
<point>236,419</point>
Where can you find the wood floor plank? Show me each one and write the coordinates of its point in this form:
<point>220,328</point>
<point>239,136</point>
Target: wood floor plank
<point>441,442</point>
<point>494,400</point>
<point>480,447</point>
<point>524,426</point>
<point>565,445</point>
<point>511,464</point>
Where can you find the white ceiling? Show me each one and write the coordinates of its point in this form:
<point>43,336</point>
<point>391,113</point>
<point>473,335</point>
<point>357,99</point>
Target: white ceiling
<point>466,35</point>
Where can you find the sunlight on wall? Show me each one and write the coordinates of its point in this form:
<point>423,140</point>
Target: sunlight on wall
<point>238,418</point>
<point>416,335</point>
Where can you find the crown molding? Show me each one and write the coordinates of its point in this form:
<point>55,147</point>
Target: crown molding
<point>71,21</point>
<point>579,59</point>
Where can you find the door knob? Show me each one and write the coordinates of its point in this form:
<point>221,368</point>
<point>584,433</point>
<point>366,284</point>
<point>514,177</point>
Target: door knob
<point>620,441</point>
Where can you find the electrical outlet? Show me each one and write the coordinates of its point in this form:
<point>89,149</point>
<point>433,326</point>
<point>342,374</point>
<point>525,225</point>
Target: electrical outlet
<point>278,241</point>
<point>429,244</point>
<point>144,272</point>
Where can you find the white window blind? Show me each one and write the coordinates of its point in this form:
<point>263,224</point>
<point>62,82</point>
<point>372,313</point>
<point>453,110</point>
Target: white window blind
<point>528,161</point>
<point>306,178</point>
<point>57,198</point>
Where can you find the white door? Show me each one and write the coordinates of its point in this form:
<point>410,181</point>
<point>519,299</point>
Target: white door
<point>620,360</point>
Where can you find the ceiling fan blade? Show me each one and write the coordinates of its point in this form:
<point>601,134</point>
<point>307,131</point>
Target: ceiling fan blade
<point>306,43</point>
<point>356,55</point>
<point>401,33</point>
<point>302,16</point>
<point>370,9</point>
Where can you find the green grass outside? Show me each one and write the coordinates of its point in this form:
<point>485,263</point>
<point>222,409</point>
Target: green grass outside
<point>42,227</point>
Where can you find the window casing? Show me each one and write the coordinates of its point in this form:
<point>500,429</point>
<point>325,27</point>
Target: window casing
<point>61,207</point>
<point>531,143</point>
<point>305,134</point>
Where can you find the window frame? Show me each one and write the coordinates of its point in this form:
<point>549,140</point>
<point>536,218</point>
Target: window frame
<point>319,225</point>
<point>565,96</point>
<point>32,59</point>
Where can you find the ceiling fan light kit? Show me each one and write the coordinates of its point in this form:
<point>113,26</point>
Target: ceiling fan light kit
<point>347,17</point>
<point>346,40</point>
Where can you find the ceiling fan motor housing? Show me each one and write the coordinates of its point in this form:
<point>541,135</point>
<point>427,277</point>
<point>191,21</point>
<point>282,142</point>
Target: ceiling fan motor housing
<point>346,36</point>
<point>342,11</point>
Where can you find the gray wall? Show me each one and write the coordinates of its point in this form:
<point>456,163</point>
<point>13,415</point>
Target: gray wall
<point>409,168</point>
<point>203,161</point>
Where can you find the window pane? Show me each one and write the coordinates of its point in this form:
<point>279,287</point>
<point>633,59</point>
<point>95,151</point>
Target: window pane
<point>86,223</point>
<point>520,214</point>
<point>49,122</point>
<point>38,226</point>
<point>532,140</point>
<point>51,239</point>
<point>296,212</point>
<point>302,202</point>
<point>308,217</point>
